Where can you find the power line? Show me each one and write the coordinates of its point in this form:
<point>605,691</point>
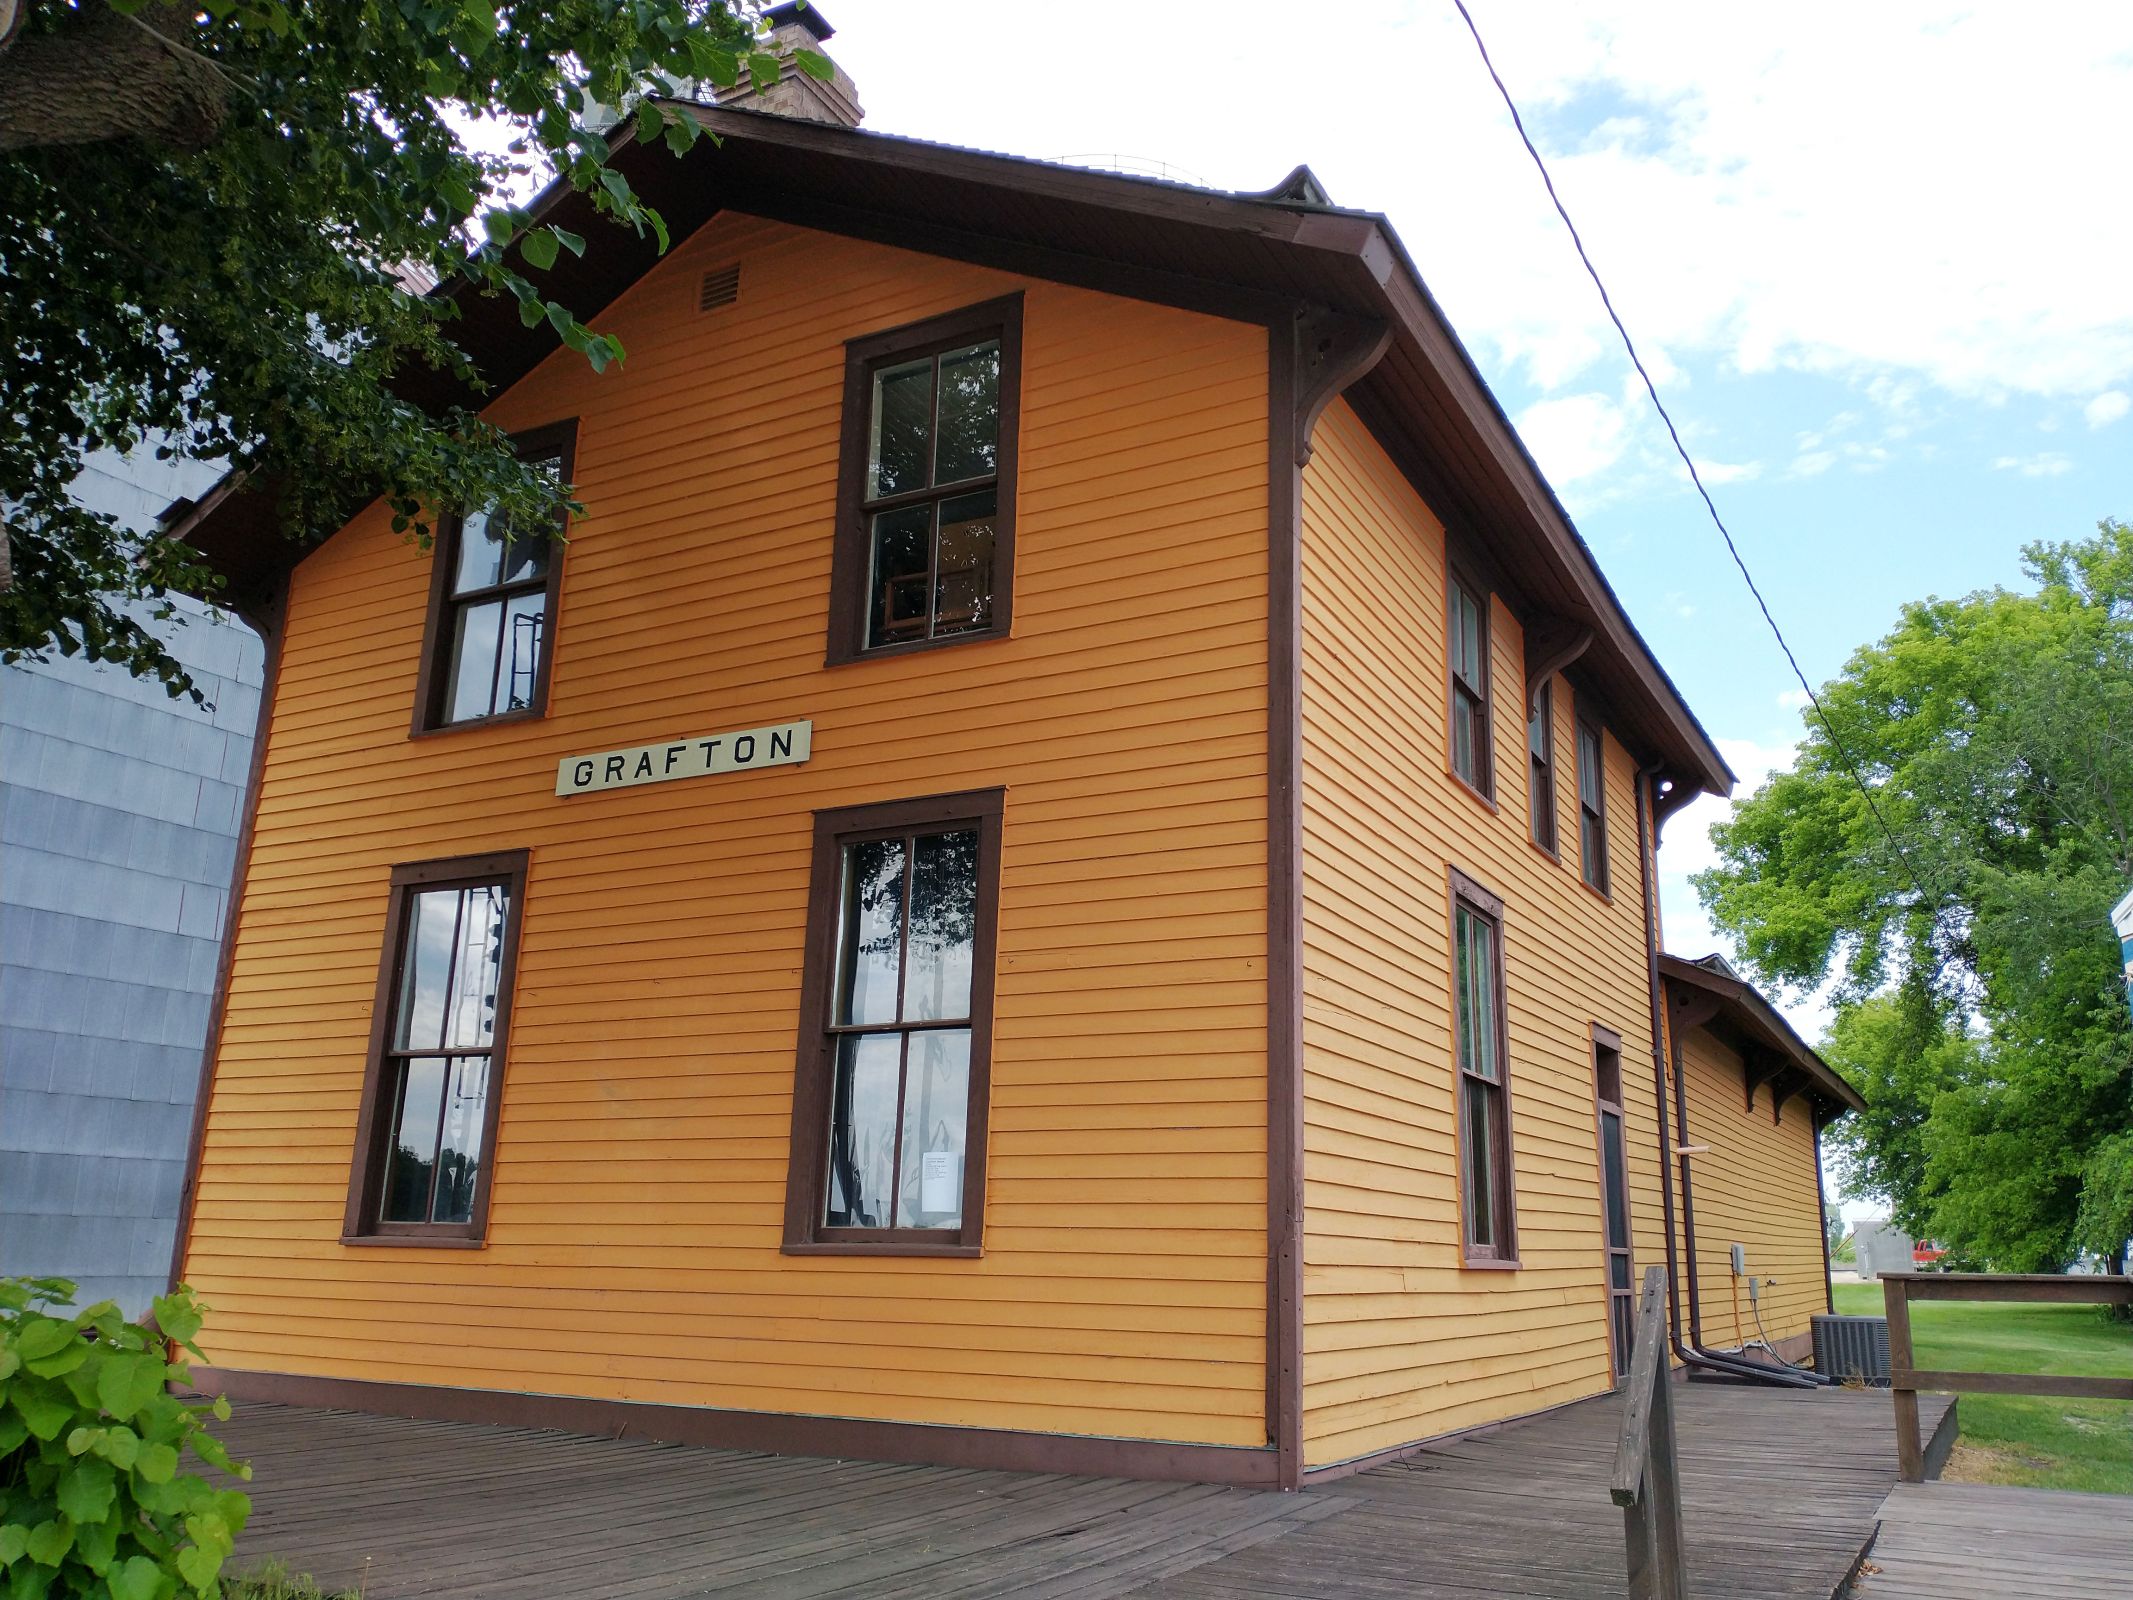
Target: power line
<point>1851,766</point>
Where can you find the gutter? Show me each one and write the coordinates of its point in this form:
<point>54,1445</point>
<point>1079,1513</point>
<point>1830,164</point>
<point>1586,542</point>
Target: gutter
<point>1690,1351</point>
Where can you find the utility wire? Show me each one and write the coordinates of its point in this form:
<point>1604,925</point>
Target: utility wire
<point>1851,766</point>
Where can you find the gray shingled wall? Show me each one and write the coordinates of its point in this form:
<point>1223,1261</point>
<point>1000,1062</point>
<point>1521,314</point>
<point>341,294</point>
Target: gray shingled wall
<point>118,821</point>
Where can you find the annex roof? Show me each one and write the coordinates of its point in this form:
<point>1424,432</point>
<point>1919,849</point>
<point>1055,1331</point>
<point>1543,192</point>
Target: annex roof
<point>1251,256</point>
<point>1751,1019</point>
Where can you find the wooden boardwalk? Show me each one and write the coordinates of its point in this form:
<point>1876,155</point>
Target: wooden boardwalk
<point>1978,1541</point>
<point>1780,1491</point>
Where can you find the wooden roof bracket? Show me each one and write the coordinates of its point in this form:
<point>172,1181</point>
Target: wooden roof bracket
<point>1759,1067</point>
<point>1783,1087</point>
<point>1670,794</point>
<point>1552,643</point>
<point>1333,349</point>
<point>1691,1008</point>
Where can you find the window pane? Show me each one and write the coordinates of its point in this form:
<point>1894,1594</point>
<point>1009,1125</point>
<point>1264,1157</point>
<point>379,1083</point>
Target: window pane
<point>1463,736</point>
<point>963,582</point>
<point>1618,1269</point>
<point>525,620</point>
<point>1543,803</point>
<point>451,971</point>
<point>929,1192</point>
<point>896,445</point>
<point>481,553</point>
<point>412,1160</point>
<point>1477,1001</point>
<point>459,1156</point>
<point>474,661</point>
<point>1611,1175</point>
<point>870,932</point>
<point>863,1131</point>
<point>1588,770</point>
<point>1479,1101</point>
<point>1537,740</point>
<point>903,575</point>
<point>970,414</point>
<point>944,925</point>
<point>1462,986</point>
<point>1625,1332</point>
<point>1589,843</point>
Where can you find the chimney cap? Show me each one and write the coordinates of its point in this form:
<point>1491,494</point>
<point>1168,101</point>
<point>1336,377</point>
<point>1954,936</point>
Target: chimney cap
<point>800,12</point>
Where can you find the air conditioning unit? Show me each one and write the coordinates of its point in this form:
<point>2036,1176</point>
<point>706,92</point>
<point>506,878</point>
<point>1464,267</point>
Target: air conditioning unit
<point>1853,1348</point>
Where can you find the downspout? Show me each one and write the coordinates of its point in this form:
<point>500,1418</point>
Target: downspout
<point>1689,1352</point>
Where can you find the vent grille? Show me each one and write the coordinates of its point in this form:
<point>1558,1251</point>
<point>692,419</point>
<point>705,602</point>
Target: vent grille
<point>1853,1347</point>
<point>721,287</point>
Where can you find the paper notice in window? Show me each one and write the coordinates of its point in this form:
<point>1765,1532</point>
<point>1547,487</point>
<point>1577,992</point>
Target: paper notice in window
<point>940,1181</point>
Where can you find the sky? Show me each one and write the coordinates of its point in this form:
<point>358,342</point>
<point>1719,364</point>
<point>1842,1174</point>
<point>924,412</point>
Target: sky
<point>1878,259</point>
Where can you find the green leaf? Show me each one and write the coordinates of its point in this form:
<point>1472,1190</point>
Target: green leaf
<point>497,224</point>
<point>135,1578</point>
<point>157,1463</point>
<point>49,1542</point>
<point>574,243</point>
<point>815,65</point>
<point>41,1337</point>
<point>45,1414</point>
<point>539,249</point>
<point>86,1490</point>
<point>198,1567</point>
<point>61,1361</point>
<point>9,1363</point>
<point>178,1314</point>
<point>14,1539</point>
<point>762,71</point>
<point>128,1383</point>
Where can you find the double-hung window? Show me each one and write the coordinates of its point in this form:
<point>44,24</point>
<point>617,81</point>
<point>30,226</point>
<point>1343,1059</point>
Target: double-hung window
<point>926,495</point>
<point>485,656</point>
<point>1467,623</point>
<point>426,1133</point>
<point>1487,1206</point>
<point>1592,805</point>
<point>1540,750</point>
<point>1614,1195</point>
<point>896,1005</point>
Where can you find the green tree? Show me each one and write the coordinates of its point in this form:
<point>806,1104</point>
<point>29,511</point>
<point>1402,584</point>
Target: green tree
<point>212,223</point>
<point>1980,1003</point>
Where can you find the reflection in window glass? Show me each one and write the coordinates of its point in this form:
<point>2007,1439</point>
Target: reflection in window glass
<point>871,931</point>
<point>1485,1145</point>
<point>862,1168</point>
<point>969,444</point>
<point>901,431</point>
<point>936,1105</point>
<point>496,615</point>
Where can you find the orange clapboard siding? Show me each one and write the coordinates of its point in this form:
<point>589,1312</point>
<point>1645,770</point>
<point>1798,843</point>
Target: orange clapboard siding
<point>640,1167</point>
<point>1757,1188</point>
<point>1400,1342</point>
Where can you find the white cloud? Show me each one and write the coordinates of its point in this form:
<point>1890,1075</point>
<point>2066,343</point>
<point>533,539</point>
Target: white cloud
<point>1813,463</point>
<point>1792,700</point>
<point>2107,408</point>
<point>1576,436</point>
<point>2047,464</point>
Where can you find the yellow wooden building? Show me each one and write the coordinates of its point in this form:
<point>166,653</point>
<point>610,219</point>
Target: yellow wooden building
<point>1057,872</point>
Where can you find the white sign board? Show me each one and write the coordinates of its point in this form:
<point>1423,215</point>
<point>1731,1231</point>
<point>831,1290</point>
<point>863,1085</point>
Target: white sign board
<point>783,745</point>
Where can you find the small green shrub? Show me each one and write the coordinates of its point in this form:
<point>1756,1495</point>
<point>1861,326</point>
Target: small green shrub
<point>93,1500</point>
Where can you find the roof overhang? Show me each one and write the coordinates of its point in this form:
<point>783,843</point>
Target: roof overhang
<point>1251,257</point>
<point>1767,1043</point>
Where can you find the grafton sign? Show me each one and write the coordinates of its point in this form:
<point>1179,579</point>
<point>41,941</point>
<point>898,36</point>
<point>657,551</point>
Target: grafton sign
<point>783,745</point>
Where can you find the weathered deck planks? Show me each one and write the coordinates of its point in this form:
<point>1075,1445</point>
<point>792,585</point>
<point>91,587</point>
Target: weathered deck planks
<point>1780,1490</point>
<point>1976,1541</point>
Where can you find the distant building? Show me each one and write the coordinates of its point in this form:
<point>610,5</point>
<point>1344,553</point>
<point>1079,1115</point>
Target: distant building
<point>118,821</point>
<point>1880,1247</point>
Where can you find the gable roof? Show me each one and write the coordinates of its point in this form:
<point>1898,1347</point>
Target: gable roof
<point>1250,256</point>
<point>1749,1017</point>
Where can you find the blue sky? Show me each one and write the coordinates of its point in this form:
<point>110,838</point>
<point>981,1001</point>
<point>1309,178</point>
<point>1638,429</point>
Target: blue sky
<point>1878,257</point>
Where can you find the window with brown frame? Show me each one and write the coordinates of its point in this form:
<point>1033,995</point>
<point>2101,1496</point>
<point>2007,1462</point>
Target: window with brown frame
<point>1614,1195</point>
<point>926,483</point>
<point>894,1070</point>
<point>1592,805</point>
<point>493,588</point>
<point>426,1133</point>
<point>1467,621</point>
<point>1487,1201</point>
<point>1540,750</point>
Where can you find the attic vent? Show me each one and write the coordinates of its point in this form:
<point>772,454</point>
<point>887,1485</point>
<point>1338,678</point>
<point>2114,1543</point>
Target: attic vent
<point>722,286</point>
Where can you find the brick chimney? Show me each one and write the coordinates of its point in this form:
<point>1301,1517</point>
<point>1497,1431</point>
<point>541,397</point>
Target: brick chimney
<point>797,27</point>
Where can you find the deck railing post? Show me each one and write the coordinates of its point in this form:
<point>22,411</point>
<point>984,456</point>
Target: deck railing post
<point>1647,1476</point>
<point>1910,1451</point>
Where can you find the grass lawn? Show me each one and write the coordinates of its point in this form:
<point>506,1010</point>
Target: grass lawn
<point>2053,1444</point>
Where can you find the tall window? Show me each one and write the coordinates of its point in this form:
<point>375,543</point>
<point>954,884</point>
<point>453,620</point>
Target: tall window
<point>1468,622</point>
<point>1592,805</point>
<point>486,653</point>
<point>1614,1196</point>
<point>889,1119</point>
<point>1540,751</point>
<point>925,547</point>
<point>1486,1196</point>
<point>427,1128</point>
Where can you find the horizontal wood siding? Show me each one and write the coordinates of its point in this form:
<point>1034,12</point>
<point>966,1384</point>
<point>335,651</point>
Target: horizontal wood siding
<point>1401,1342</point>
<point>1756,1187</point>
<point>633,1246</point>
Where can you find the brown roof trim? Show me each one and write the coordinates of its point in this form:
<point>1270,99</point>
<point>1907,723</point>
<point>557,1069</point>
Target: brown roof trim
<point>1240,256</point>
<point>1744,1008</point>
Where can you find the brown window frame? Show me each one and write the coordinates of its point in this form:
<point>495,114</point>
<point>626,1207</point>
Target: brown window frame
<point>1470,897</point>
<point>1483,780</point>
<point>1592,863</point>
<point>807,1172</point>
<point>852,556</point>
<point>433,673</point>
<point>360,1223</point>
<point>1621,1302</point>
<point>1542,801</point>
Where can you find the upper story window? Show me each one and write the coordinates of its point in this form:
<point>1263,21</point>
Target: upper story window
<point>1592,805</point>
<point>1468,624</point>
<point>485,656</point>
<point>1540,751</point>
<point>926,493</point>
<point>427,1128</point>
<point>890,1100</point>
<point>1487,1203</point>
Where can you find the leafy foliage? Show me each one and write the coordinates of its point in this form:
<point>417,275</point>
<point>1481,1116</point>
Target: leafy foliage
<point>1981,1009</point>
<point>242,284</point>
<point>94,1498</point>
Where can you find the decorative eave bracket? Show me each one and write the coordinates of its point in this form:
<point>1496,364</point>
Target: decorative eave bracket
<point>1333,349</point>
<point>1552,643</point>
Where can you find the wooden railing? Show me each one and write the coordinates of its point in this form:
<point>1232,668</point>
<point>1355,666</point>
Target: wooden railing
<point>1647,1480</point>
<point>2044,1288</point>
